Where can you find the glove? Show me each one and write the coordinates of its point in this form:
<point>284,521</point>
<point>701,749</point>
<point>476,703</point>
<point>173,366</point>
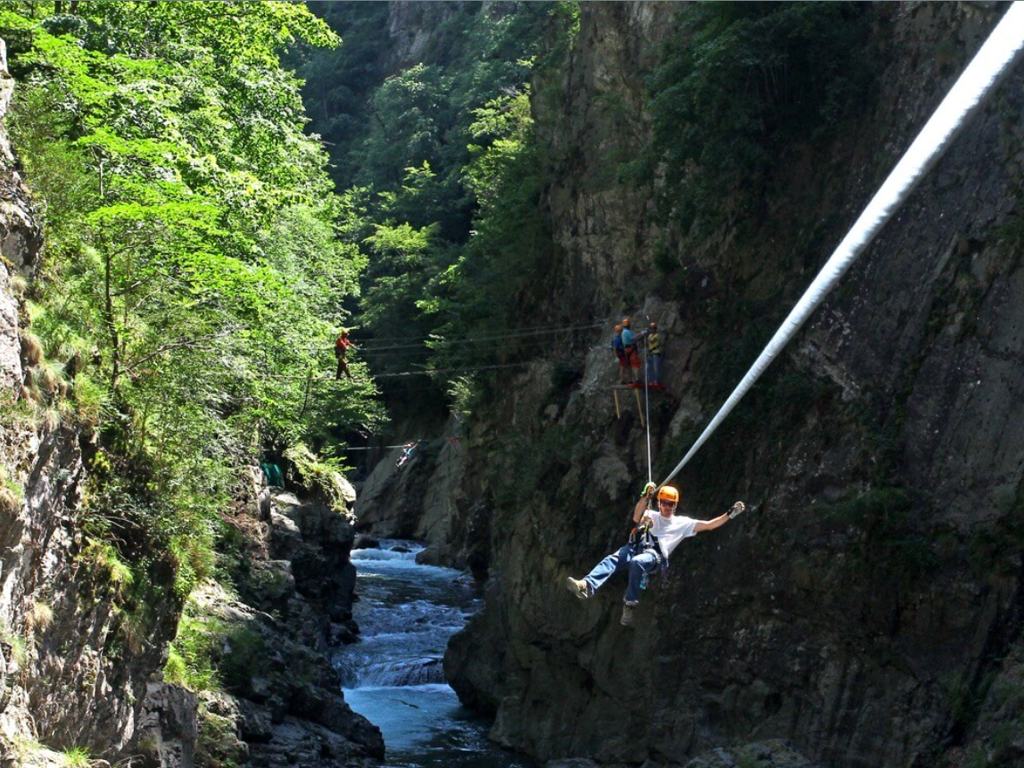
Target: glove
<point>737,509</point>
<point>648,489</point>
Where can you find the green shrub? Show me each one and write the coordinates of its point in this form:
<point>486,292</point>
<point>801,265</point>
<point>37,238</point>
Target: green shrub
<point>108,565</point>
<point>76,757</point>
<point>191,659</point>
<point>323,476</point>
<point>739,83</point>
<point>175,670</point>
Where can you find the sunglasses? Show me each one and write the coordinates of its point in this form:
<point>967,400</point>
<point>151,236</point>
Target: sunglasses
<point>666,502</point>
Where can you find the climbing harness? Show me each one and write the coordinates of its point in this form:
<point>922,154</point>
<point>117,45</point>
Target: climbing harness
<point>641,541</point>
<point>995,58</point>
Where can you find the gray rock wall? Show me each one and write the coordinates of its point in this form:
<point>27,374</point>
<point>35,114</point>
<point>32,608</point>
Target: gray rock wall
<point>19,243</point>
<point>423,499</point>
<point>865,606</point>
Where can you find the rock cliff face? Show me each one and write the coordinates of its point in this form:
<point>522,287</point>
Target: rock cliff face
<point>869,608</point>
<point>66,679</point>
<point>282,704</point>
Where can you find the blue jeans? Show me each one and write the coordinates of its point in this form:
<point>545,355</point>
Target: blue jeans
<point>654,369</point>
<point>638,565</point>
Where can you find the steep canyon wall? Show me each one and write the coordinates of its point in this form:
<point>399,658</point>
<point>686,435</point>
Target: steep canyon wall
<point>869,608</point>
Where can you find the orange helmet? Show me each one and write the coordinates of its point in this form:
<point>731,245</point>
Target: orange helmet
<point>668,493</point>
<point>625,322</point>
<point>654,326</point>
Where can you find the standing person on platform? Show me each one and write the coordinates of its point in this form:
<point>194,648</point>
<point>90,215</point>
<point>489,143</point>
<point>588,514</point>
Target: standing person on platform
<point>653,340</point>
<point>629,342</point>
<point>620,354</point>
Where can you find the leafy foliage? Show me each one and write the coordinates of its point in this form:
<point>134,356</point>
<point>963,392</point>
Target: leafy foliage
<point>443,186</point>
<point>194,256</point>
<point>739,83</point>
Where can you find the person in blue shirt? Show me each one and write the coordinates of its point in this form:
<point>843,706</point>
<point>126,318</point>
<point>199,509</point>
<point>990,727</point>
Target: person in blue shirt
<point>632,355</point>
<point>620,354</point>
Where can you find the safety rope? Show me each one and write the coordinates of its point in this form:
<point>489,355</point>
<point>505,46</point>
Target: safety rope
<point>990,64</point>
<point>595,321</point>
<point>328,376</point>
<point>647,419</point>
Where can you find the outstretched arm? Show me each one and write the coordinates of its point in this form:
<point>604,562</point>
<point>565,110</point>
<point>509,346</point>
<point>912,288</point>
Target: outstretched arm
<point>710,525</point>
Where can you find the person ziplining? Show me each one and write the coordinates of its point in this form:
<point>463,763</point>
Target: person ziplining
<point>652,542</point>
<point>407,451</point>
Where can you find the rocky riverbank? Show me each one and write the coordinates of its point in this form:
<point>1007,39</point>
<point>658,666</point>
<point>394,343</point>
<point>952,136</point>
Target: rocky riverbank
<point>279,699</point>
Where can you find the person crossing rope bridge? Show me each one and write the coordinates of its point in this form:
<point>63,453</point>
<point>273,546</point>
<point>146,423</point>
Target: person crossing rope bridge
<point>341,347</point>
<point>654,539</point>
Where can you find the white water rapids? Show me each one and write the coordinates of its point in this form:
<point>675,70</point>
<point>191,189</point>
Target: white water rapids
<point>407,613</point>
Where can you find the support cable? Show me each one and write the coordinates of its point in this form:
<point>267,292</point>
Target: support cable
<point>995,58</point>
<point>647,419</point>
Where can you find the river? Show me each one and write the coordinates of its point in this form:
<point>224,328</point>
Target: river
<point>406,613</point>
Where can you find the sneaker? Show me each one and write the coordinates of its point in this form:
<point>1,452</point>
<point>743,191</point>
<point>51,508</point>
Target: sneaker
<point>628,609</point>
<point>578,587</point>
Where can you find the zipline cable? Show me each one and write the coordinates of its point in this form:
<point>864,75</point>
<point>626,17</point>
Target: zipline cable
<point>995,58</point>
<point>519,334</point>
<point>488,337</point>
<point>414,443</point>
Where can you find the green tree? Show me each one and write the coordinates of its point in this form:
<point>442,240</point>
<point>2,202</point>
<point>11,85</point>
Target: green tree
<point>193,242</point>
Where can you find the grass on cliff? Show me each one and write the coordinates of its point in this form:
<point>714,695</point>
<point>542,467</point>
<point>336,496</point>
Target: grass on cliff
<point>77,757</point>
<point>11,495</point>
<point>17,645</point>
<point>211,654</point>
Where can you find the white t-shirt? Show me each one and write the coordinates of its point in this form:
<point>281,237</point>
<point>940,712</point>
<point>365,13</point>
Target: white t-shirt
<point>672,530</point>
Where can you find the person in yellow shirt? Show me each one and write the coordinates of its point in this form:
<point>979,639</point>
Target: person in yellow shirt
<point>653,341</point>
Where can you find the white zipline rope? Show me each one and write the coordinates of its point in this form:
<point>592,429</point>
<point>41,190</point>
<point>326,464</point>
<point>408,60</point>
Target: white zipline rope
<point>978,81</point>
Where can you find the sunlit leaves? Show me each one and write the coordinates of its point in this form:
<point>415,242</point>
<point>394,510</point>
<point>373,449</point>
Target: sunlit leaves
<point>193,254</point>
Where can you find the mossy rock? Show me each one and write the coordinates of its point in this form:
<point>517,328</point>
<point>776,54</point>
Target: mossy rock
<point>322,479</point>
